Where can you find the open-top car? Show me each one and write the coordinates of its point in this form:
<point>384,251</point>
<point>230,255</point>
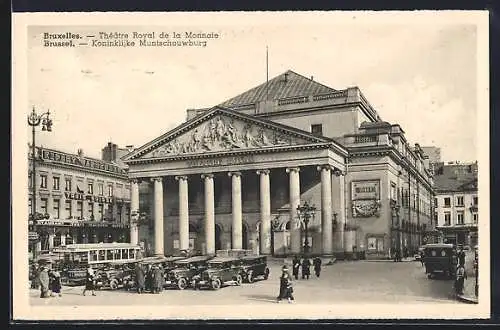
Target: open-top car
<point>253,267</point>
<point>220,271</point>
<point>182,275</point>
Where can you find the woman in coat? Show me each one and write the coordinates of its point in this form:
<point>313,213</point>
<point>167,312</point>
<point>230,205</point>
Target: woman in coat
<point>157,279</point>
<point>43,278</point>
<point>90,281</point>
<point>306,270</point>
<point>286,289</point>
<point>139,278</point>
<point>295,267</point>
<point>55,283</point>
<point>317,266</point>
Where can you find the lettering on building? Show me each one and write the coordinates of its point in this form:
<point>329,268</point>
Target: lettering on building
<point>78,161</point>
<point>90,198</point>
<point>236,160</point>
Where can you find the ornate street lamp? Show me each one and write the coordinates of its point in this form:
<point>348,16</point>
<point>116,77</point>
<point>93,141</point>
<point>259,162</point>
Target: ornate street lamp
<point>306,212</point>
<point>35,120</point>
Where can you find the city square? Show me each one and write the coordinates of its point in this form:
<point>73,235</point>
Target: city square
<point>210,186</point>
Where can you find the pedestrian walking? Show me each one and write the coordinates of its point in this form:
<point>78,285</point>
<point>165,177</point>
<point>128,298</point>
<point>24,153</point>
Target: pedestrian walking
<point>139,278</point>
<point>44,280</point>
<point>89,281</point>
<point>286,287</point>
<point>295,267</point>
<point>317,266</point>
<point>422,256</point>
<point>55,283</point>
<point>306,270</point>
<point>149,278</point>
<point>34,276</point>
<point>461,255</point>
<point>158,279</point>
<point>460,279</point>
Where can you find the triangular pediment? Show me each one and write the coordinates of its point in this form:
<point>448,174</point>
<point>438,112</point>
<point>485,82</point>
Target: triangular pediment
<point>221,130</point>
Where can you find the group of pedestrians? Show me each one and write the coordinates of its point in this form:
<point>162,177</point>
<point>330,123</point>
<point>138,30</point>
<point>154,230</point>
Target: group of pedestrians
<point>305,265</point>
<point>286,281</point>
<point>150,279</point>
<point>48,280</point>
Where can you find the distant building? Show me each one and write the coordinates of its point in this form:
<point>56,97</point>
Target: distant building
<point>456,202</point>
<point>434,154</point>
<point>78,199</point>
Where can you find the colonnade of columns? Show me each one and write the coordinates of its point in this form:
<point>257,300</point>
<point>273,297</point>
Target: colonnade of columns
<point>237,214</point>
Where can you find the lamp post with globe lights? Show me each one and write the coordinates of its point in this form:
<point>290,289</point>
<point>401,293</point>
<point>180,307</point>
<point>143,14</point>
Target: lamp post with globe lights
<point>306,212</point>
<point>35,120</point>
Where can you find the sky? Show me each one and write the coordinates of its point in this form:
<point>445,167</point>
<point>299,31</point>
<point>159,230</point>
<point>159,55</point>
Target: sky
<point>421,76</point>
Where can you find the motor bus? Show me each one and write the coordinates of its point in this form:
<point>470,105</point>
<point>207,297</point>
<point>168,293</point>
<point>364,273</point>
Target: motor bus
<point>77,258</point>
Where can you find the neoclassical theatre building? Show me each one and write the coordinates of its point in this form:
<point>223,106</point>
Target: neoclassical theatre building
<point>233,175</point>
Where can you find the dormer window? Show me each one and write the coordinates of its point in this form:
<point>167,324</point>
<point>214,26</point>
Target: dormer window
<point>317,129</point>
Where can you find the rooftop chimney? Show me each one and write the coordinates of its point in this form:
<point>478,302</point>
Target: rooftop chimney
<point>286,77</point>
<point>312,77</point>
<point>79,152</point>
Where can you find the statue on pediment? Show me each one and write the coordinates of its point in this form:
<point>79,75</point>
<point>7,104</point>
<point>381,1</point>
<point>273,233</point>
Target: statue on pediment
<point>248,137</point>
<point>262,138</point>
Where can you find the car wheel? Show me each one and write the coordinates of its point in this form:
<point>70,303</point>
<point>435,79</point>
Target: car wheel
<point>216,284</point>
<point>182,284</point>
<point>239,279</point>
<point>113,284</point>
<point>266,275</point>
<point>250,277</point>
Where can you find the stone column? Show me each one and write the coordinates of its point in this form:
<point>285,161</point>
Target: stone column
<point>209,213</point>
<point>134,211</point>
<point>237,225</point>
<point>343,243</point>
<point>295,236</point>
<point>326,209</point>
<point>183,212</point>
<point>265,212</point>
<point>159,244</point>
<point>63,239</point>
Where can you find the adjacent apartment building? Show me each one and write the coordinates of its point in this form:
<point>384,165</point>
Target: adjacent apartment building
<point>79,199</point>
<point>456,202</point>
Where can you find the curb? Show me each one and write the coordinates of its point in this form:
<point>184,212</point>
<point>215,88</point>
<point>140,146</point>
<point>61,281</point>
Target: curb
<point>468,300</point>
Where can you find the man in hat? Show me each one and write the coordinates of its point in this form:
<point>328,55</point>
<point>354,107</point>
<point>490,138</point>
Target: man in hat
<point>286,288</point>
<point>43,277</point>
<point>461,255</point>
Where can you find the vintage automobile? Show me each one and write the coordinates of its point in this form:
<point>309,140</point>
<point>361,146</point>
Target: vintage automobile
<point>440,259</point>
<point>220,271</point>
<point>185,270</point>
<point>113,276</point>
<point>253,267</point>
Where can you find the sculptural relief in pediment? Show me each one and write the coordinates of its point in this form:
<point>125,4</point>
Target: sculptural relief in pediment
<point>223,133</point>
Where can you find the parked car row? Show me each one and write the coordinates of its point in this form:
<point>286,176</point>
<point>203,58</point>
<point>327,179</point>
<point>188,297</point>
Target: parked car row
<point>195,272</point>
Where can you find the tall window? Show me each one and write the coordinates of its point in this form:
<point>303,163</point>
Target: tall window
<point>317,129</point>
<point>91,210</point>
<point>110,190</point>
<point>100,187</point>
<point>30,180</point>
<point>447,202</point>
<point>43,206</point>
<point>474,200</point>
<point>67,207</point>
<point>460,218</point>
<point>447,218</point>
<point>475,218</point>
<point>460,201</point>
<point>30,205</point>
<point>43,181</point>
<point>57,208</point>
<point>435,202</point>
<point>67,186</point>
<point>394,193</point>
<point>56,183</point>
<point>79,209</point>
<point>100,211</point>
<point>435,218</point>
<point>90,190</point>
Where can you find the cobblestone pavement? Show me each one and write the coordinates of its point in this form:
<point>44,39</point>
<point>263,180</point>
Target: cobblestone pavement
<point>343,282</point>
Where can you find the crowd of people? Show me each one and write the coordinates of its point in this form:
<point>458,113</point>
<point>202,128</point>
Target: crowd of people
<point>47,280</point>
<point>149,278</point>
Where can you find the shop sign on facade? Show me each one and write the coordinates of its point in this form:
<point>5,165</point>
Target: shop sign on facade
<point>91,198</point>
<point>365,198</point>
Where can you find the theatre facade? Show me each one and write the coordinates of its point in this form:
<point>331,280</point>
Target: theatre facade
<point>232,177</point>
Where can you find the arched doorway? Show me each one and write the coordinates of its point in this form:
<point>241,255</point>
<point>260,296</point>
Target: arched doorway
<point>218,237</point>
